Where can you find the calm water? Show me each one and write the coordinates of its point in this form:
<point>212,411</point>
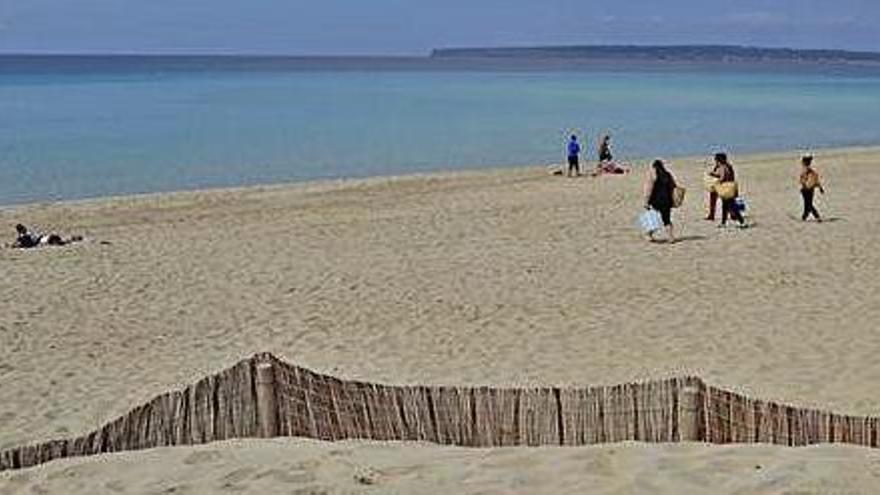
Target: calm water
<point>70,129</point>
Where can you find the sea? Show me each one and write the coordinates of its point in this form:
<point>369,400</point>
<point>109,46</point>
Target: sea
<point>74,127</point>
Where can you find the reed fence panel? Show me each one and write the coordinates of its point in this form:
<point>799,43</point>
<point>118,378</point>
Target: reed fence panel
<point>287,400</point>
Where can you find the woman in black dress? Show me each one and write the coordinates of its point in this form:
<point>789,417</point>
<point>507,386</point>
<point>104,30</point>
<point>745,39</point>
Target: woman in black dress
<point>659,189</point>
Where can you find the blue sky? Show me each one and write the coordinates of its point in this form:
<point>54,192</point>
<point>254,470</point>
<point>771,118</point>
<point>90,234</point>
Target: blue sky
<point>413,27</point>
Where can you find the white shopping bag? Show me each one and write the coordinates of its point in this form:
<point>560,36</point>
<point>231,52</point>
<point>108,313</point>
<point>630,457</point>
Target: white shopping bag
<point>650,221</point>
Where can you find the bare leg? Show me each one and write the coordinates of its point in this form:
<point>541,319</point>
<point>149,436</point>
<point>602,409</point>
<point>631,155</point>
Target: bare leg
<point>713,205</point>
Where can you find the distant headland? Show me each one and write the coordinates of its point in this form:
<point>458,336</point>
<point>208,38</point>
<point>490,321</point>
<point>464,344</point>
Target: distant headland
<point>500,58</point>
<point>674,53</point>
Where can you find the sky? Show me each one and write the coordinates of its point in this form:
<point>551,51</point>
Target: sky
<point>414,27</point>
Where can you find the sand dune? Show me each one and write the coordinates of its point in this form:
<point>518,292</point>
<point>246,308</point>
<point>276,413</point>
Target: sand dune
<point>306,467</point>
<point>508,277</point>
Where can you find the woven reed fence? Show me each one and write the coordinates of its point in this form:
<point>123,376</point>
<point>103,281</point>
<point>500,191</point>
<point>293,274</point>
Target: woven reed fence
<point>266,397</point>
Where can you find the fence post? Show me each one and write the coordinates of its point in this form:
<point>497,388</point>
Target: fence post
<point>690,410</point>
<point>267,410</point>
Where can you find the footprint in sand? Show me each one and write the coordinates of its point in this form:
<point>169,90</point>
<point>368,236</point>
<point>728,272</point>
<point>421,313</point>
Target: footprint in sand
<point>367,476</point>
<point>7,417</point>
<point>233,479</point>
<point>202,457</point>
<point>171,490</point>
<point>116,486</point>
<point>292,476</point>
<point>311,490</point>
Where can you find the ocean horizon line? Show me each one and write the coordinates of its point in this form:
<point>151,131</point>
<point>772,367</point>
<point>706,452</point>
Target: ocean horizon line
<point>431,52</point>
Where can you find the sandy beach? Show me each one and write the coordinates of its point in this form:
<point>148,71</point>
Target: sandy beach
<point>506,278</point>
<point>312,468</point>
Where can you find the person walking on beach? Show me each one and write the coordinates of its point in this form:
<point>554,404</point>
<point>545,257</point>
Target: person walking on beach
<point>712,178</point>
<point>809,182</point>
<point>727,191</point>
<point>574,151</point>
<point>659,190</point>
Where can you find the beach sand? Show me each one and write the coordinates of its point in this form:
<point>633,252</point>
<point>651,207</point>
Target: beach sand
<point>306,467</point>
<point>507,278</point>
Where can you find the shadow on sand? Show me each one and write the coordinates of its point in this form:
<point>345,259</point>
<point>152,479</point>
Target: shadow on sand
<point>678,240</point>
<point>690,238</point>
<point>824,219</point>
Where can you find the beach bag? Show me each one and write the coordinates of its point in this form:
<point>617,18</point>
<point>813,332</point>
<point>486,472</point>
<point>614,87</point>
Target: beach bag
<point>650,221</point>
<point>678,196</point>
<point>740,205</point>
<point>726,190</point>
<point>710,181</point>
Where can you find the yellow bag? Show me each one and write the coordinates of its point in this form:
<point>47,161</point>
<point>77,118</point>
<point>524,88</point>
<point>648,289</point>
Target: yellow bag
<point>726,190</point>
<point>678,196</point>
<point>710,181</point>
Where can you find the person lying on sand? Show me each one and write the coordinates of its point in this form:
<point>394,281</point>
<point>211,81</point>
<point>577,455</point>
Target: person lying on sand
<point>26,239</point>
<point>612,168</point>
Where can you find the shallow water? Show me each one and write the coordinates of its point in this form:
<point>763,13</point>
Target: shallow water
<point>71,129</point>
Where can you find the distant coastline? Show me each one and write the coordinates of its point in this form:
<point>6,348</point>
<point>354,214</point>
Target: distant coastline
<point>677,53</point>
<point>479,58</point>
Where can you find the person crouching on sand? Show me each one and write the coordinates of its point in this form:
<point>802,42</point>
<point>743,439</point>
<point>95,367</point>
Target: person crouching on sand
<point>809,182</point>
<point>574,151</point>
<point>606,164</point>
<point>659,188</point>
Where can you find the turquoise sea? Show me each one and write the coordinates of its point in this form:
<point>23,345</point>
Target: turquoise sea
<point>77,127</point>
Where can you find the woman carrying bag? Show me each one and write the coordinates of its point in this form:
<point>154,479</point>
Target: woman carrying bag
<point>727,191</point>
<point>660,195</point>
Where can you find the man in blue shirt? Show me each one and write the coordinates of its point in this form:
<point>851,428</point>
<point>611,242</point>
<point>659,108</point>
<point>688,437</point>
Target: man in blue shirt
<point>574,151</point>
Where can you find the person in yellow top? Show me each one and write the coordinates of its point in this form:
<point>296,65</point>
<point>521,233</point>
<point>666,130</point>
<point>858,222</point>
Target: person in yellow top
<point>809,182</point>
